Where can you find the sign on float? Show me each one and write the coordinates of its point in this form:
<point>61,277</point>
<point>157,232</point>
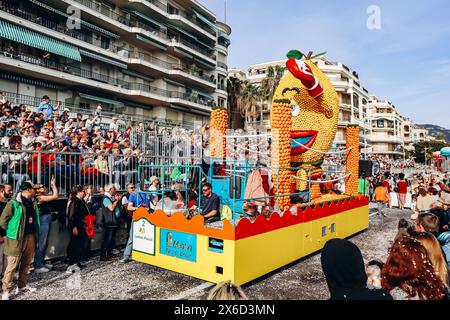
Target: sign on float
<point>144,237</point>
<point>178,245</point>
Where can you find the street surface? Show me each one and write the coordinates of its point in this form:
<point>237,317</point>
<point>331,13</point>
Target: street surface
<point>302,280</point>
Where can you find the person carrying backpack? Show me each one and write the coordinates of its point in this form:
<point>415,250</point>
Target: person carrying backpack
<point>111,214</point>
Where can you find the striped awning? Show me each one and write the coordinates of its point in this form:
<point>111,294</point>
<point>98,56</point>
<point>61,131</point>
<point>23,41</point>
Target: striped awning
<point>101,99</point>
<point>34,39</point>
<point>103,59</point>
<point>85,23</point>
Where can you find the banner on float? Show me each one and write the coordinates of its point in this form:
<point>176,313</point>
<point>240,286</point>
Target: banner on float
<point>178,245</point>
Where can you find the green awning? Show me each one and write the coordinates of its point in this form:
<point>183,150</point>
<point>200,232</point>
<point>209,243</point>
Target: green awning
<point>205,45</point>
<point>224,35</point>
<point>102,58</point>
<point>34,39</point>
<point>178,84</point>
<point>151,42</point>
<point>190,36</point>
<point>187,34</point>
<point>100,99</point>
<point>139,75</point>
<point>205,63</point>
<point>184,53</point>
<point>148,19</point>
<point>202,93</point>
<point>85,23</point>
<point>205,20</point>
<point>187,110</point>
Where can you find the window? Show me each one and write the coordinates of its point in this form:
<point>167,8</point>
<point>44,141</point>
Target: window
<point>104,42</point>
<point>85,106</point>
<point>380,123</point>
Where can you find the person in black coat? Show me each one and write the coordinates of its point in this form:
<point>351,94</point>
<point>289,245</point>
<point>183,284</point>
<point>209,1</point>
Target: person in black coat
<point>344,270</point>
<point>77,211</point>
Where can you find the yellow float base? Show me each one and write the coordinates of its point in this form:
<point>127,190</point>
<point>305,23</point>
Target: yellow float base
<point>249,258</point>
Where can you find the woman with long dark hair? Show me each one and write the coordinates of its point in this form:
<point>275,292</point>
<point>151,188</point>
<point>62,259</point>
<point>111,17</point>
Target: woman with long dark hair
<point>77,211</point>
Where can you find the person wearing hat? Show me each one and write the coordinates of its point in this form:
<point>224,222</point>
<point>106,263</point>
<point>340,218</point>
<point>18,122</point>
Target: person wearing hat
<point>19,224</point>
<point>46,107</point>
<point>154,187</point>
<point>64,117</point>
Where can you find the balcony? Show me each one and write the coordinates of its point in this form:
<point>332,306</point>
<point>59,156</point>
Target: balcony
<point>184,68</point>
<point>134,23</point>
<point>109,46</point>
<point>102,78</point>
<point>171,11</point>
<point>222,66</point>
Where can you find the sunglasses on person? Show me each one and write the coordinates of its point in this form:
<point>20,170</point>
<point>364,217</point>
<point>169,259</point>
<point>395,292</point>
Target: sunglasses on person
<point>205,190</point>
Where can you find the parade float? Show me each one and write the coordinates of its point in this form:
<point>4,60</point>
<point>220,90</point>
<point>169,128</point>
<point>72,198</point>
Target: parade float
<point>242,247</point>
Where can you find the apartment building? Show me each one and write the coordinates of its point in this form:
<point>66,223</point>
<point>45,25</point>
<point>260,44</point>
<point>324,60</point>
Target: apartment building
<point>149,59</point>
<point>353,96</point>
<point>388,132</point>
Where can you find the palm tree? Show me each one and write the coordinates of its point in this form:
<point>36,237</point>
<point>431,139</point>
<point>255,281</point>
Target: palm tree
<point>234,87</point>
<point>250,101</point>
<point>269,85</point>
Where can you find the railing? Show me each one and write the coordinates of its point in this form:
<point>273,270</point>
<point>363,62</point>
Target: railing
<point>87,74</point>
<point>135,23</point>
<point>61,28</point>
<point>71,169</point>
<point>82,36</point>
<point>170,66</point>
<point>207,53</point>
<point>222,65</point>
<point>221,87</point>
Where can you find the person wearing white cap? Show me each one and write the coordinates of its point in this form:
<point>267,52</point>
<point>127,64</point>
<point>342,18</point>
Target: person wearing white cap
<point>154,186</point>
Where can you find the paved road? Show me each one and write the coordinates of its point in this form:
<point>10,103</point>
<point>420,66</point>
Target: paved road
<point>302,280</point>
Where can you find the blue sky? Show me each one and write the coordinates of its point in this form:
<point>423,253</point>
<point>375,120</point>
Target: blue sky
<point>407,61</point>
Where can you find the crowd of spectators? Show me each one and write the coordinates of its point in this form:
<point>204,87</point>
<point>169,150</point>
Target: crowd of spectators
<point>75,147</point>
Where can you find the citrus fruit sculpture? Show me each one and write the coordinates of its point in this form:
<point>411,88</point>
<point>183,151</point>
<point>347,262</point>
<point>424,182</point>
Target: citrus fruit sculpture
<point>305,112</point>
<point>219,126</point>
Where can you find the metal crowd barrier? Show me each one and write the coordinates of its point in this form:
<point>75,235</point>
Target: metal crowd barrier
<point>70,169</point>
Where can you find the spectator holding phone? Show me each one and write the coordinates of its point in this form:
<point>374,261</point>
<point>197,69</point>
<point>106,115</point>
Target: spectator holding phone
<point>45,215</point>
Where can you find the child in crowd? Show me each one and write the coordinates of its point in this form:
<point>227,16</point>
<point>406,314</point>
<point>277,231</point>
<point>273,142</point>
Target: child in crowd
<point>373,271</point>
<point>428,222</point>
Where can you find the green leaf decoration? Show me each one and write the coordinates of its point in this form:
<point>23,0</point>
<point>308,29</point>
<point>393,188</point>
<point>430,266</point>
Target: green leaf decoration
<point>295,54</point>
<point>319,55</point>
